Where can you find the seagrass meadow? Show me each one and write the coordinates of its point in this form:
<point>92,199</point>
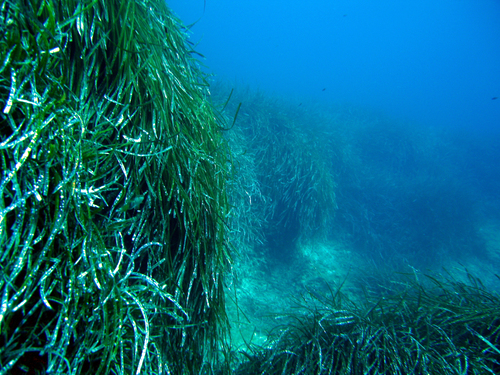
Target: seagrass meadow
<point>431,326</point>
<point>334,259</point>
<point>282,190</point>
<point>144,213</point>
<point>112,203</point>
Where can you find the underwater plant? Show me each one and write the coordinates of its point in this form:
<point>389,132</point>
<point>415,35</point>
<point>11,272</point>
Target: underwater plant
<point>440,326</point>
<point>113,207</point>
<point>283,188</point>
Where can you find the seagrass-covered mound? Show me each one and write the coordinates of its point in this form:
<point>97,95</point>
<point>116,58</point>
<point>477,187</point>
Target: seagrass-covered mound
<point>283,190</point>
<point>441,326</point>
<point>112,203</point>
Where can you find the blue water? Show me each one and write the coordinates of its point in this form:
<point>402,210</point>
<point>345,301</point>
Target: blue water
<point>428,61</point>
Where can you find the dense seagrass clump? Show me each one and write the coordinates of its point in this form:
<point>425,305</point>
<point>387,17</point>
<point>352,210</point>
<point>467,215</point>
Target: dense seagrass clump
<point>282,190</point>
<point>112,202</point>
<point>442,326</point>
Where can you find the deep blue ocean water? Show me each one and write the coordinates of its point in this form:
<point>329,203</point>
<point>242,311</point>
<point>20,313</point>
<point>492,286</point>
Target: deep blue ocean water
<point>429,61</point>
